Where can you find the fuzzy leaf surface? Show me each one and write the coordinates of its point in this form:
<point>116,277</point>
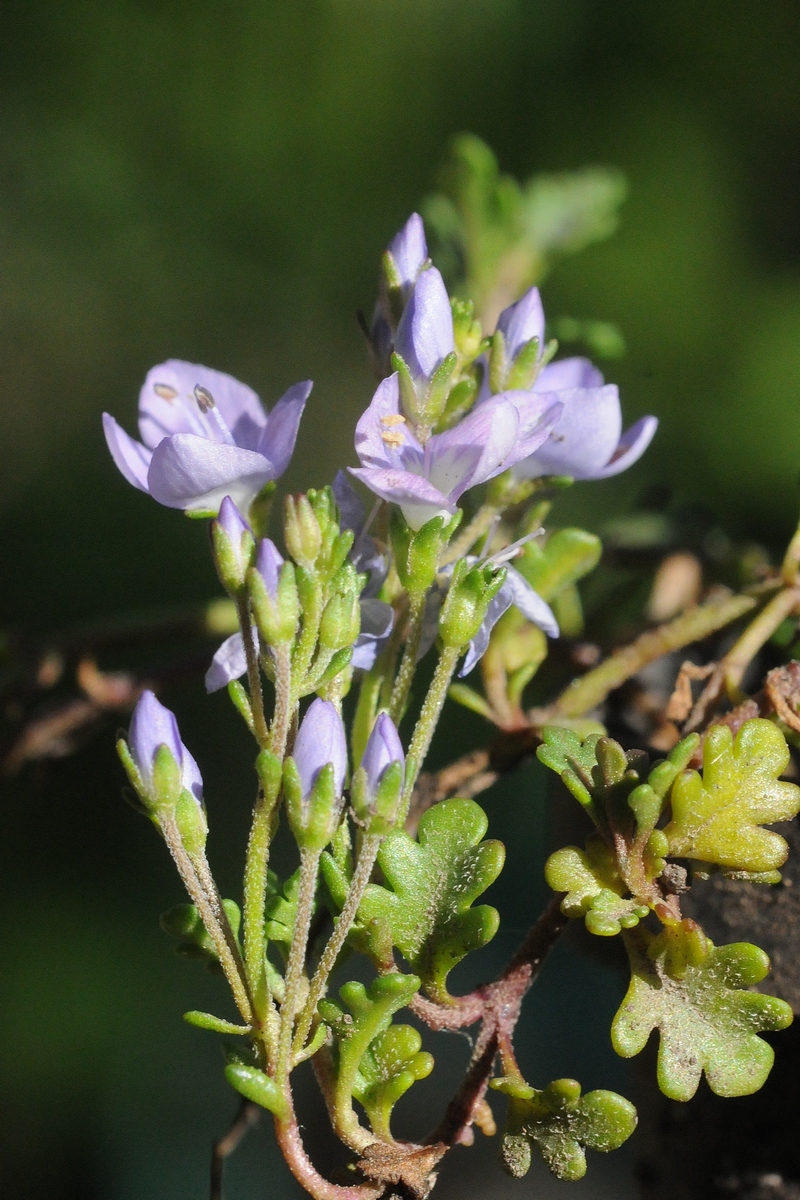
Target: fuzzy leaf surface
<point>717,818</point>
<point>431,886</point>
<point>393,1062</point>
<point>695,994</point>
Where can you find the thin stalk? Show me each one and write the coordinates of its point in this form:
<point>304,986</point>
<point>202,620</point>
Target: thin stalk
<point>428,718</point>
<point>212,917</point>
<point>253,672</point>
<point>790,568</point>
<point>288,1137</point>
<point>366,707</point>
<point>307,644</point>
<point>591,689</point>
<point>254,899</point>
<point>309,863</point>
<point>282,716</point>
<point>759,631</point>
<point>480,524</point>
<point>341,928</point>
<point>408,663</point>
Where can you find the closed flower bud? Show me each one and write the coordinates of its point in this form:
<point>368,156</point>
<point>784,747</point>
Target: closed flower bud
<point>302,531</point>
<point>341,622</point>
<point>158,764</point>
<point>416,554</point>
<point>233,545</point>
<point>314,777</point>
<point>273,594</point>
<point>378,783</point>
<point>465,607</point>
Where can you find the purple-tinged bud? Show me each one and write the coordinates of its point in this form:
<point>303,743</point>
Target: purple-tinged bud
<point>158,764</point>
<point>409,251</point>
<point>314,776</point>
<point>425,334</point>
<point>234,546</point>
<point>273,594</point>
<point>378,783</point>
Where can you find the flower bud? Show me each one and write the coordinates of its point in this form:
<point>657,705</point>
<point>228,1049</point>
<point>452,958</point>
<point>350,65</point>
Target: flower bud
<point>416,555</point>
<point>314,777</point>
<point>302,530</point>
<point>158,764</point>
<point>378,783</point>
<point>273,594</point>
<point>466,329</point>
<point>341,622</point>
<point>471,591</point>
<point>234,546</point>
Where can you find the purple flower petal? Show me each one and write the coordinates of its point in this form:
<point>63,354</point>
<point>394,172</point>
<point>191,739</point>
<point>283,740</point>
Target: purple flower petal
<point>229,663</point>
<point>632,446</point>
<point>168,404</point>
<point>152,725</point>
<point>380,420</point>
<point>425,332</point>
<point>348,501</point>
<point>377,619</point>
<point>521,322</point>
<point>383,748</point>
<point>191,778</point>
<point>131,457</point>
<point>583,438</point>
<point>190,472</point>
<point>279,436</point>
<point>530,603</point>
<point>568,373</point>
<point>419,500</point>
<point>409,250</point>
<point>477,647</point>
<point>320,740</point>
<point>269,561</point>
<point>474,450</point>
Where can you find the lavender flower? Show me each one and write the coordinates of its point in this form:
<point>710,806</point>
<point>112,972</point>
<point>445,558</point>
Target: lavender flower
<point>152,726</point>
<point>378,783</point>
<point>427,482</point>
<point>320,740</point>
<point>407,253</point>
<point>205,436</point>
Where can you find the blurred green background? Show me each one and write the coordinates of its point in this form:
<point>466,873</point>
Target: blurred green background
<point>215,181</point>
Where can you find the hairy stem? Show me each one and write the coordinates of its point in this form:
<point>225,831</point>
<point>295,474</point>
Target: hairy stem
<point>588,692</point>
<point>253,672</point>
<point>288,1136</point>
<point>213,917</point>
<point>759,631</point>
<point>428,719</point>
<point>341,928</point>
<point>408,663</point>
<point>282,716</point>
<point>309,863</point>
<point>254,899</point>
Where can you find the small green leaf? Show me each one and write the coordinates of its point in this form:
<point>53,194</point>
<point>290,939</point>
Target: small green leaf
<point>431,886</point>
<point>594,888</point>
<point>693,993</point>
<point>560,1122</point>
<point>184,923</point>
<point>571,757</point>
<point>718,818</point>
<point>257,1086</point>
<point>281,909</point>
<point>204,1020</point>
<point>393,1062</point>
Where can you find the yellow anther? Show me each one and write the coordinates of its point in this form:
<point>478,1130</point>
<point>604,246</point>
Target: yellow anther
<point>165,391</point>
<point>393,419</point>
<point>393,439</point>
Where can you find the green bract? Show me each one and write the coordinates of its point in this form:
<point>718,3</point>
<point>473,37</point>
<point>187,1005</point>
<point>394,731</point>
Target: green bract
<point>718,818</point>
<point>431,885</point>
<point>560,1122</point>
<point>693,993</point>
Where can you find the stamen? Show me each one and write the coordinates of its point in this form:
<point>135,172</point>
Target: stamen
<point>393,439</point>
<point>393,419</point>
<point>205,401</point>
<point>165,391</point>
<point>515,549</point>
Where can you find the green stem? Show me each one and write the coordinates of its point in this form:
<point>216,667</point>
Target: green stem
<point>309,863</point>
<point>307,644</point>
<point>344,922</point>
<point>790,568</point>
<point>253,672</point>
<point>428,718</point>
<point>367,705</point>
<point>588,692</point>
<point>408,663</point>
<point>759,631</point>
<point>254,899</point>
<point>281,718</point>
<point>212,915</point>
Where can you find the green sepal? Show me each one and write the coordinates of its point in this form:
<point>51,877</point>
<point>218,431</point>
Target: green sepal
<point>409,400</point>
<point>192,825</point>
<point>566,557</point>
<point>525,368</point>
<point>204,1020</point>
<point>471,591</point>
<point>232,562</point>
<point>717,818</point>
<point>312,819</point>
<point>696,995</point>
<point>439,389</point>
<point>258,1087</point>
<point>416,553</point>
<point>167,779</point>
<point>497,363</point>
<point>301,530</point>
<point>559,1123</point>
<point>241,702</point>
<point>460,401</point>
<point>340,623</point>
<point>131,770</point>
<point>269,769</point>
<point>431,885</point>
<point>392,1063</point>
<point>276,619</point>
<point>467,331</point>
